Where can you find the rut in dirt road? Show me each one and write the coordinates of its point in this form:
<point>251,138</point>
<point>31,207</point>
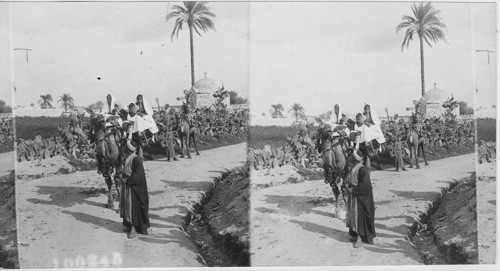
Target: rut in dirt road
<point>64,223</point>
<point>289,214</point>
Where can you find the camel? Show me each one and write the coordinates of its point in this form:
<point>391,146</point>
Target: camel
<point>187,134</point>
<point>415,143</point>
<point>109,153</point>
<point>335,151</point>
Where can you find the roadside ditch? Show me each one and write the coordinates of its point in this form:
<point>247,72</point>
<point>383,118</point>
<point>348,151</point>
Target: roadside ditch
<point>219,223</point>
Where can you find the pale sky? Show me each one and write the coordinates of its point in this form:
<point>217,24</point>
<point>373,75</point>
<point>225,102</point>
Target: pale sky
<point>314,53</point>
<point>74,43</point>
<point>318,54</point>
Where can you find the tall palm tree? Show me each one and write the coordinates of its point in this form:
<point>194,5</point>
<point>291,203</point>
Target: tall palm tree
<point>66,101</point>
<point>297,111</point>
<point>46,99</point>
<point>427,25</point>
<point>197,16</point>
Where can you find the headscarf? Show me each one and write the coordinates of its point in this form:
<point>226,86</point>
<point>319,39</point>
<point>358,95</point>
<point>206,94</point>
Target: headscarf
<point>358,155</point>
<point>336,118</point>
<point>109,108</point>
<point>373,115</point>
<point>130,145</point>
<point>147,107</point>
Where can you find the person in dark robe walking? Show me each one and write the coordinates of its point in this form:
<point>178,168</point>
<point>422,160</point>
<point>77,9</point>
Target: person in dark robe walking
<point>134,203</point>
<point>360,206</point>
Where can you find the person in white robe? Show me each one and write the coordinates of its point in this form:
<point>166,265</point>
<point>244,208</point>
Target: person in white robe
<point>337,119</point>
<point>369,125</point>
<point>111,108</point>
<point>143,119</point>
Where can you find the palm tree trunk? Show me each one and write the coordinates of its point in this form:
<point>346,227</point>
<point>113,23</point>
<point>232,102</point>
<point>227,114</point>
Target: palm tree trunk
<point>422,65</point>
<point>192,54</point>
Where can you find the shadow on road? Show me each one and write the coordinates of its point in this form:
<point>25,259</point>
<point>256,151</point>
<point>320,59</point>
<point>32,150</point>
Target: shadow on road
<point>341,236</point>
<point>67,196</point>
<point>108,224</point>
<point>296,205</point>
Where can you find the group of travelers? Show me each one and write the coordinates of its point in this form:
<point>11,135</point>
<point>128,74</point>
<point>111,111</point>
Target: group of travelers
<point>360,218</point>
<point>371,133</point>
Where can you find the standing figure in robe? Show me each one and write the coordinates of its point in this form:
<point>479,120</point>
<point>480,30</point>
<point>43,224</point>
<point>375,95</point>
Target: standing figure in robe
<point>360,217</point>
<point>134,202</point>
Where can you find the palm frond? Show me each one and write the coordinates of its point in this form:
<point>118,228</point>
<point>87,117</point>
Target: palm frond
<point>177,27</point>
<point>176,11</point>
<point>408,37</point>
<point>426,39</point>
<point>196,26</point>
<point>172,15</point>
<point>403,25</point>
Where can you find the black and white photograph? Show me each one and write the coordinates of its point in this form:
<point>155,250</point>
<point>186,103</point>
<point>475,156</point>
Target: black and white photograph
<point>263,134</point>
<point>131,124</point>
<point>363,152</point>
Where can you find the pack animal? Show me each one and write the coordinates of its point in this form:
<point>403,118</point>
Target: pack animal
<point>109,153</point>
<point>334,150</point>
<point>187,134</point>
<point>415,142</point>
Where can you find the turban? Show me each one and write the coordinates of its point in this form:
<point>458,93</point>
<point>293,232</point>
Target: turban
<point>131,145</point>
<point>358,155</point>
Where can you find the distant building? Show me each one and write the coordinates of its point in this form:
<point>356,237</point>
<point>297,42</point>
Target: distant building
<point>205,88</point>
<point>434,100</point>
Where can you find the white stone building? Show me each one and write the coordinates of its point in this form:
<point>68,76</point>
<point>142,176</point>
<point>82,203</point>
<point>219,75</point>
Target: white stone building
<point>205,88</point>
<point>434,100</point>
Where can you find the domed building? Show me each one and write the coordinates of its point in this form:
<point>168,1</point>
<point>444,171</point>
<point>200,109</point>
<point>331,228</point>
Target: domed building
<point>434,100</point>
<point>205,88</point>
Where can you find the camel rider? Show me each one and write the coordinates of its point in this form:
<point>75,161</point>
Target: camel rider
<point>191,99</point>
<point>338,121</point>
<point>368,124</point>
<point>415,124</point>
<point>112,106</point>
<point>142,119</point>
<point>189,107</point>
<point>419,108</point>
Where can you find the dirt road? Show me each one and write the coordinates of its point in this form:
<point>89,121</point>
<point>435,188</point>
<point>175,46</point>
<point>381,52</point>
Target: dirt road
<point>62,221</point>
<point>292,224</point>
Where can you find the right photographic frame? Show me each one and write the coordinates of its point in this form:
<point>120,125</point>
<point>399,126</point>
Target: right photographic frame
<point>372,133</point>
